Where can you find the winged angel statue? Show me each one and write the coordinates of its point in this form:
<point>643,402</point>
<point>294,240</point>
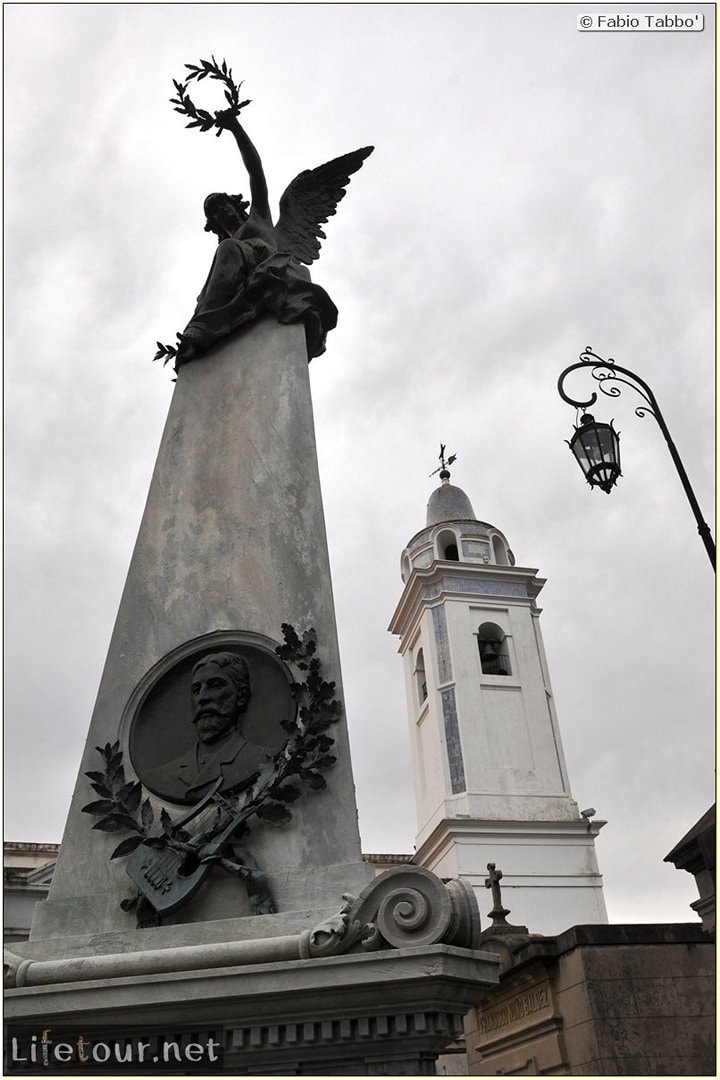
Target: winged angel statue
<point>258,265</point>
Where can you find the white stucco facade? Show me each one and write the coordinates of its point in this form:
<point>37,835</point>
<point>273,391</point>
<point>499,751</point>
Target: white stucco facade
<point>491,783</point>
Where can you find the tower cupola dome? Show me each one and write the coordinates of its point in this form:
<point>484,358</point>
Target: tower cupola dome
<point>448,503</point>
<point>453,533</point>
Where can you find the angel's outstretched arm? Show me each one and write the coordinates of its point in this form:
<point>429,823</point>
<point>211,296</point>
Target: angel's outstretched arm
<point>251,160</point>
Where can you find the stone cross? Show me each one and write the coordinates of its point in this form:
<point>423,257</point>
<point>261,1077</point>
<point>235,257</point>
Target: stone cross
<point>499,913</point>
<point>493,882</point>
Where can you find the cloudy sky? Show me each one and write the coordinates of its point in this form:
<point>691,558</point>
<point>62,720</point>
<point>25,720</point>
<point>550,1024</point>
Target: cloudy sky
<point>534,190</point>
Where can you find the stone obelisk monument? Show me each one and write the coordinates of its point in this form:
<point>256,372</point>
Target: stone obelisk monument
<point>231,546</point>
<point>210,877</point>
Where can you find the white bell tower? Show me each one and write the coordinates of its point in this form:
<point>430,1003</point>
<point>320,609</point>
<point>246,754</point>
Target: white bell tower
<point>490,778</point>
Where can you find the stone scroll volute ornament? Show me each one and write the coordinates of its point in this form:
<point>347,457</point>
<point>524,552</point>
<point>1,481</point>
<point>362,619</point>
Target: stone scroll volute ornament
<point>258,266</point>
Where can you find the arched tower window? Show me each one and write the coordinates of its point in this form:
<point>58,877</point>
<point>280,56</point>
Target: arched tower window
<point>420,677</point>
<point>448,546</point>
<point>499,551</point>
<point>494,653</point>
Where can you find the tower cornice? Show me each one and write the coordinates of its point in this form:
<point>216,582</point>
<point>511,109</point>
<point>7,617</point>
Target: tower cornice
<point>447,579</point>
<point>465,830</point>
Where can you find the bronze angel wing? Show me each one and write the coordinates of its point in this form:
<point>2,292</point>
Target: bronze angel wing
<point>310,199</point>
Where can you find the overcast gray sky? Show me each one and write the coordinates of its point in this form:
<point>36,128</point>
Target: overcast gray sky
<point>534,190</point>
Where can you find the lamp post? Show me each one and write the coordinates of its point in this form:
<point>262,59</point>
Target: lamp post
<point>596,446</point>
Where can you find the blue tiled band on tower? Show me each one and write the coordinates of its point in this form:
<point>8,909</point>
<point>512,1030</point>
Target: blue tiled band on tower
<point>452,742</point>
<point>442,644</point>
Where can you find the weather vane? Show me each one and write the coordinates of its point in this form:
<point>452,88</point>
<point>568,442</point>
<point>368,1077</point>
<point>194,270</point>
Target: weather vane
<point>443,466</point>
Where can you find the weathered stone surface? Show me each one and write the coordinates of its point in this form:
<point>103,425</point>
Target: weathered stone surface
<point>334,1000</point>
<point>361,1011</point>
<point>622,1000</point>
<point>660,996</point>
<point>172,936</point>
<point>581,1043</point>
<point>404,907</point>
<point>610,998</point>
<point>232,539</point>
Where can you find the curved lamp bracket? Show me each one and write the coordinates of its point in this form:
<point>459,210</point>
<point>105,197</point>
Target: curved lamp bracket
<point>608,375</point>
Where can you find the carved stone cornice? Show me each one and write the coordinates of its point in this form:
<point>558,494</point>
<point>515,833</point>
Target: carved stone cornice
<point>403,907</point>
<point>356,1014</point>
<point>463,580</point>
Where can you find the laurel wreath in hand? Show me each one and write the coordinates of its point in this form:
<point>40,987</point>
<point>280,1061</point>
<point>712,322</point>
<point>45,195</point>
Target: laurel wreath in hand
<point>201,118</point>
<point>205,121</point>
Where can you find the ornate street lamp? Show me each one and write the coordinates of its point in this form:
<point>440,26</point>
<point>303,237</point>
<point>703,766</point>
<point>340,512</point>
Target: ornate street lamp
<point>597,449</point>
<point>596,445</point>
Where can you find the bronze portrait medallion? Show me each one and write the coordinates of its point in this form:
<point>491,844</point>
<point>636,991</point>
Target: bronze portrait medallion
<point>215,714</point>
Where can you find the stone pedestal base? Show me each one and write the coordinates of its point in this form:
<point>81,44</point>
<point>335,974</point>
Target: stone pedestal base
<point>386,1013</point>
<point>379,987</point>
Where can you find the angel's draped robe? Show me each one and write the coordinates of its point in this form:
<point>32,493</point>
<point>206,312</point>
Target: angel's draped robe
<point>247,279</point>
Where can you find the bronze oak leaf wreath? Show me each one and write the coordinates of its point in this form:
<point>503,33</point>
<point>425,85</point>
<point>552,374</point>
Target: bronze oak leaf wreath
<point>300,764</point>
